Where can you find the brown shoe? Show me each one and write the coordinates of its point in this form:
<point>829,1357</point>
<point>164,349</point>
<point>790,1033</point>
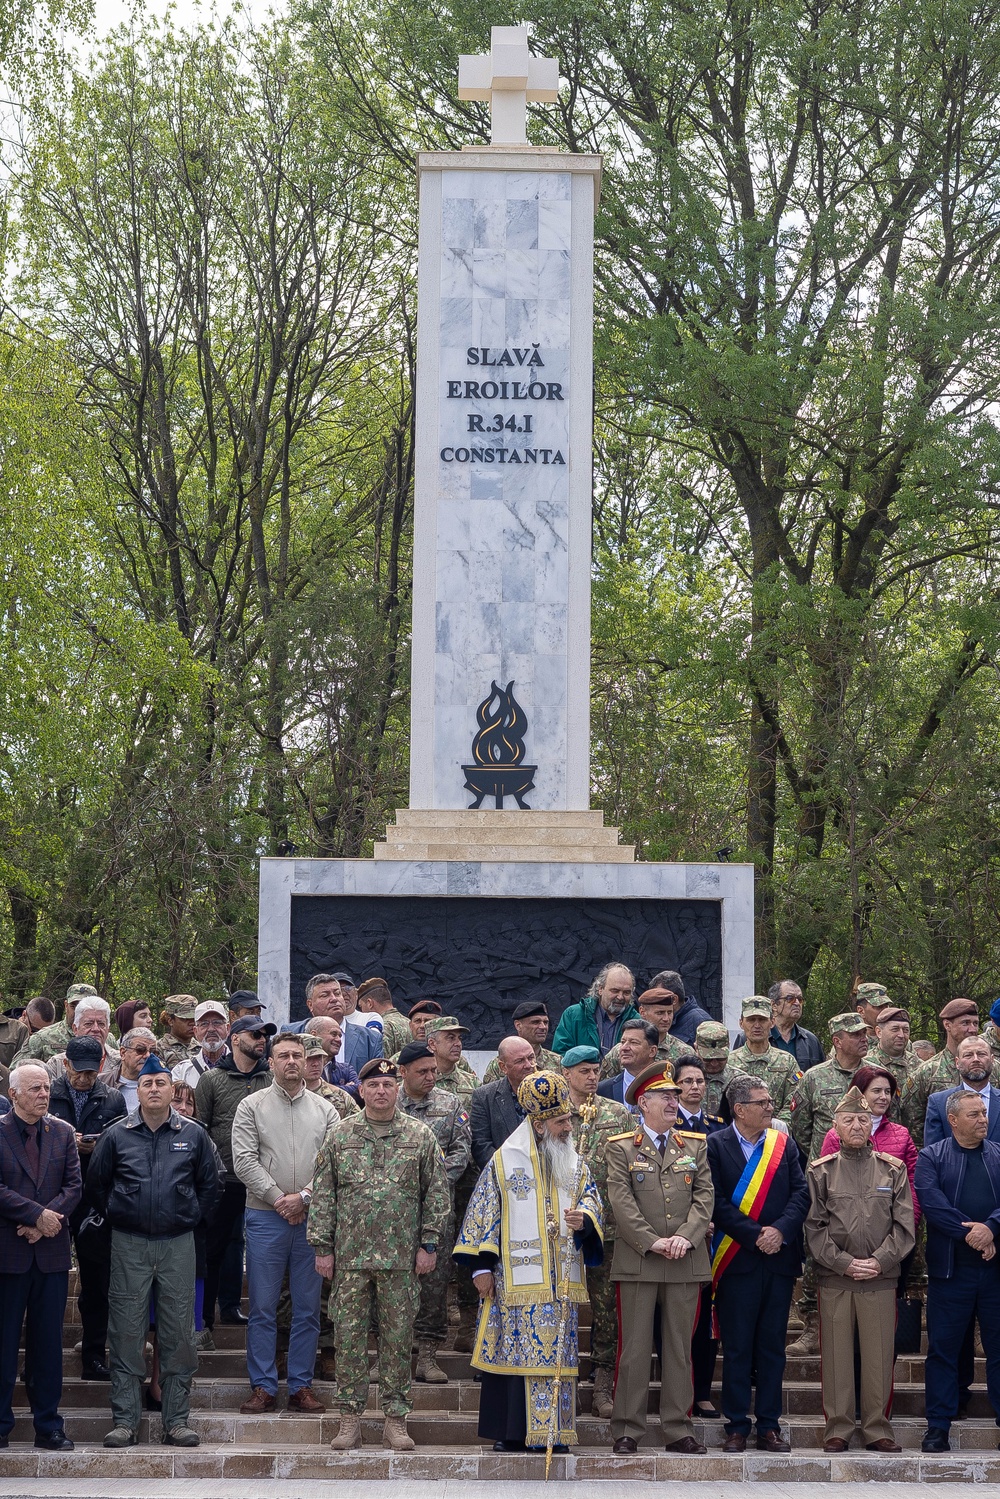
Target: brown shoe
<point>735,1442</point>
<point>772,1441</point>
<point>885,1444</point>
<point>835,1444</point>
<point>686,1445</point>
<point>326,1364</point>
<point>624,1445</point>
<point>259,1403</point>
<point>304,1402</point>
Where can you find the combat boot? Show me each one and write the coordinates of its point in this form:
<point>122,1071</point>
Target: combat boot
<point>428,1369</point>
<point>326,1364</point>
<point>349,1435</point>
<point>396,1436</point>
<point>604,1394</point>
<point>465,1333</point>
<point>806,1345</point>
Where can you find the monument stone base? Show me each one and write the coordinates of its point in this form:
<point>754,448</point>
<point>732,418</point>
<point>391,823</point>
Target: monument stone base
<point>503,837</point>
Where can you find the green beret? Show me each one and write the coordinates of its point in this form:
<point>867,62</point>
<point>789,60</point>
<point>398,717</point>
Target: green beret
<point>579,1054</point>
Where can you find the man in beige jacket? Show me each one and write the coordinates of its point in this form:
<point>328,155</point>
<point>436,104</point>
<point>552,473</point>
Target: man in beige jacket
<point>276,1135</point>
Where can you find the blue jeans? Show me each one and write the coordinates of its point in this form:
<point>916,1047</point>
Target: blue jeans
<point>274,1246</point>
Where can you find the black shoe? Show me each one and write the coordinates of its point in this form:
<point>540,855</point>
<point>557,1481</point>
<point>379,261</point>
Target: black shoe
<point>233,1318</point>
<point>556,1447</point>
<point>95,1371</point>
<point>4,1443</point>
<point>508,1447</point>
<point>706,1415</point>
<point>151,1402</point>
<point>54,1441</point>
<point>935,1440</point>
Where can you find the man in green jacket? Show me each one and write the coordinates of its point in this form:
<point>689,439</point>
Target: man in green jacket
<point>598,1019</point>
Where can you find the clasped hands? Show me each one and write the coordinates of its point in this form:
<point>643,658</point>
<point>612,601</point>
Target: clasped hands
<point>45,1226</point>
<point>980,1238</point>
<point>291,1207</point>
<point>864,1269</point>
<point>672,1248</point>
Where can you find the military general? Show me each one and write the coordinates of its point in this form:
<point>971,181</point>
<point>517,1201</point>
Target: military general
<point>660,1192</point>
<point>379,1212</point>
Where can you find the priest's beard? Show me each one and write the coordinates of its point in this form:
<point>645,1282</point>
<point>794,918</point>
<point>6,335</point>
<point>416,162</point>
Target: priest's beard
<point>561,1159</point>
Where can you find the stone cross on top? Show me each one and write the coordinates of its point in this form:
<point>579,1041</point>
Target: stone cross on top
<point>508,76</point>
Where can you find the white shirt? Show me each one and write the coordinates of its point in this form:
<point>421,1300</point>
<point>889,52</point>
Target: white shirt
<point>654,1135</point>
<point>358,1017</point>
<point>130,1093</point>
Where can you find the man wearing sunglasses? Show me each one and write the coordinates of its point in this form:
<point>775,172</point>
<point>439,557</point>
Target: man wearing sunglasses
<point>137,1045</point>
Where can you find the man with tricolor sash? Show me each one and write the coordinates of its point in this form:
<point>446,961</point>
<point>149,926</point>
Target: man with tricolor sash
<point>660,1192</point>
<point>761,1202</point>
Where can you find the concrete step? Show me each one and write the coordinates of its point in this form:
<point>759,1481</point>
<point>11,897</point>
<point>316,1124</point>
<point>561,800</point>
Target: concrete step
<point>484,818</point>
<point>429,1462</point>
<point>505,853</point>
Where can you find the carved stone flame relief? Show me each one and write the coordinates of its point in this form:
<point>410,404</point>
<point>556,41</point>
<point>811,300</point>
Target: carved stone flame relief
<point>498,750</point>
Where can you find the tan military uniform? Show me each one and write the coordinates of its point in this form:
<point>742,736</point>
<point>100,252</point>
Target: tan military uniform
<point>667,1051</point>
<point>653,1198</point>
<point>813,1104</point>
<point>13,1035</point>
<point>172,1051</point>
<point>861,1208</point>
<point>395,1032</point>
<point>548,1061</point>
<point>777,1070</point>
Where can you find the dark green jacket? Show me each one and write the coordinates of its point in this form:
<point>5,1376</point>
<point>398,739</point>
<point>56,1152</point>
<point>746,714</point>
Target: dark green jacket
<point>579,1028</point>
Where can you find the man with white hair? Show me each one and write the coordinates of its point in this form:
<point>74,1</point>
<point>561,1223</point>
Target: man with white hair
<point>51,1039</point>
<point>40,1185</point>
<point>91,1017</point>
<point>535,1178</point>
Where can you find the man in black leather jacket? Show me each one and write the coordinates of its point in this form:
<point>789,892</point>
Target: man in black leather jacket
<point>155,1177</point>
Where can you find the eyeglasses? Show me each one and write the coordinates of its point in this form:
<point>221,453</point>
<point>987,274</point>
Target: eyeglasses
<point>761,1103</point>
<point>140,1051</point>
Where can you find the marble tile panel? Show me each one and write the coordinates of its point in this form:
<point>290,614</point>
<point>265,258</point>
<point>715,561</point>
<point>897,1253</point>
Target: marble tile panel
<point>552,321</point>
<point>457,223</point>
<point>518,568</point>
<point>489,322</point>
<point>453,481</point>
<point>488,275</point>
<point>553,274</point>
<point>456,321</point>
<point>453,525</point>
<point>517,629</point>
<point>490,223</point>
<point>555,223</point>
<point>486,572</point>
<point>486,487</point>
<point>486,627</point>
<point>453,575</point>
<point>457,272</point>
<point>522,223</point>
<point>522,274</point>
<point>531,184</point>
<point>701,882</point>
<point>456,184</point>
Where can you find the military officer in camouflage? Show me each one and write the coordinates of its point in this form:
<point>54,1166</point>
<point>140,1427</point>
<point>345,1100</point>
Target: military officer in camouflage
<point>178,1042</point>
<point>891,1050</point>
<point>814,1103</point>
<point>443,1034</point>
<point>45,1044</point>
<point>711,1045</point>
<point>531,1022</point>
<point>992,1030</point>
<point>445,1114</point>
<point>869,1001</point>
<point>595,1120</point>
<point>375,998</point>
<point>776,1070</point>
<point>379,1210</point>
<point>960,1018</point>
<point>656,1007</point>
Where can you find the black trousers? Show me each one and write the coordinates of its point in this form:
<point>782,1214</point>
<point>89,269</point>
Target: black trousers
<point>42,1295</point>
<point>753,1318</point>
<point>703,1350</point>
<point>93,1256</point>
<point>226,1226</point>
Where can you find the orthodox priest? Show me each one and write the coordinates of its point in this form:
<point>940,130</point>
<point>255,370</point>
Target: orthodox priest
<point>533,1223</point>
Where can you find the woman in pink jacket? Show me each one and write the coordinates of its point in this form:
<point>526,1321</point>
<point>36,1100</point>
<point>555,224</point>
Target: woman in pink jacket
<point>879,1088</point>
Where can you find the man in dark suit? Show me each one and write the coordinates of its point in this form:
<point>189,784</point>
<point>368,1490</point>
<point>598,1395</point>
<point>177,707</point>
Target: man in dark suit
<point>40,1185</point>
<point>324,996</point>
<point>636,1051</point>
<point>957,1182</point>
<point>755,1260</point>
<point>974,1061</point>
<point>689,1075</point>
<point>494,1111</point>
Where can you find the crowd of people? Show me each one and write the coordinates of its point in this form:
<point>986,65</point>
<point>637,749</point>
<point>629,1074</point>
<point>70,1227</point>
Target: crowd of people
<point>353,1168</point>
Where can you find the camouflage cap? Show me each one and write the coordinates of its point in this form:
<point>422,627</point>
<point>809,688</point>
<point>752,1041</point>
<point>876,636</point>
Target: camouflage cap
<point>80,991</point>
<point>849,1023</point>
<point>875,995</point>
<point>544,1095</point>
<point>313,1045</point>
<point>757,1004</point>
<point>180,1006</point>
<point>711,1039</point>
<point>853,1102</point>
<point>444,1023</point>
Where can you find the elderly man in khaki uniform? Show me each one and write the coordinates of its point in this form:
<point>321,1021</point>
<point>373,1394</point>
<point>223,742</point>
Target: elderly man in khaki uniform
<point>660,1191</point>
<point>859,1229</point>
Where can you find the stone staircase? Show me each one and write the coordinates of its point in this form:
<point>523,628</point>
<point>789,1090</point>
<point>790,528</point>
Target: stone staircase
<point>489,836</point>
<point>443,1424</point>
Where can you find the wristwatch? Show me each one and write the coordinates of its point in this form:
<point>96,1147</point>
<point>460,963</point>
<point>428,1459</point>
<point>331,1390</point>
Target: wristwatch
<point>429,1248</point>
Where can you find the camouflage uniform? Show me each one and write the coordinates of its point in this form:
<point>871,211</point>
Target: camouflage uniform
<point>173,1051</point>
<point>52,1042</point>
<point>461,1081</point>
<point>395,1032</point>
<point>612,1118</point>
<point>379,1192</point>
<point>548,1061</point>
<point>992,1035</point>
<point>901,1069</point>
<point>715,1087</point>
<point>444,1114</point>
<point>667,1051</point>
<point>933,1076</point>
<point>777,1070</point>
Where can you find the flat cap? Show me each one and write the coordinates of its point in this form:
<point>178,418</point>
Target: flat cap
<point>892,1012</point>
<point>850,1023</point>
<point>530,1007</point>
<point>414,1051</point>
<point>424,1007</point>
<point>445,1023</point>
<point>182,1006</point>
<point>757,1004</point>
<point>84,1053</point>
<point>853,1102</point>
<point>956,1008</point>
<point>577,1055</point>
<point>711,1039</point>
<point>658,1077</point>
<point>378,1067</point>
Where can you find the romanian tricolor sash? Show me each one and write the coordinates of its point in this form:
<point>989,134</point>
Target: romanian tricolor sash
<point>749,1195</point>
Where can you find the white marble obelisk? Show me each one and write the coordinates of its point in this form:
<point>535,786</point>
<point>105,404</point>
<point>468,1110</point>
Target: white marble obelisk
<point>502,527</point>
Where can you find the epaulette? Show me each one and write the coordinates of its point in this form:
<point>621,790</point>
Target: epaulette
<point>820,1159</point>
<point>883,1155</point>
<point>715,1118</point>
<point>689,1134</point>
<point>625,1135</point>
